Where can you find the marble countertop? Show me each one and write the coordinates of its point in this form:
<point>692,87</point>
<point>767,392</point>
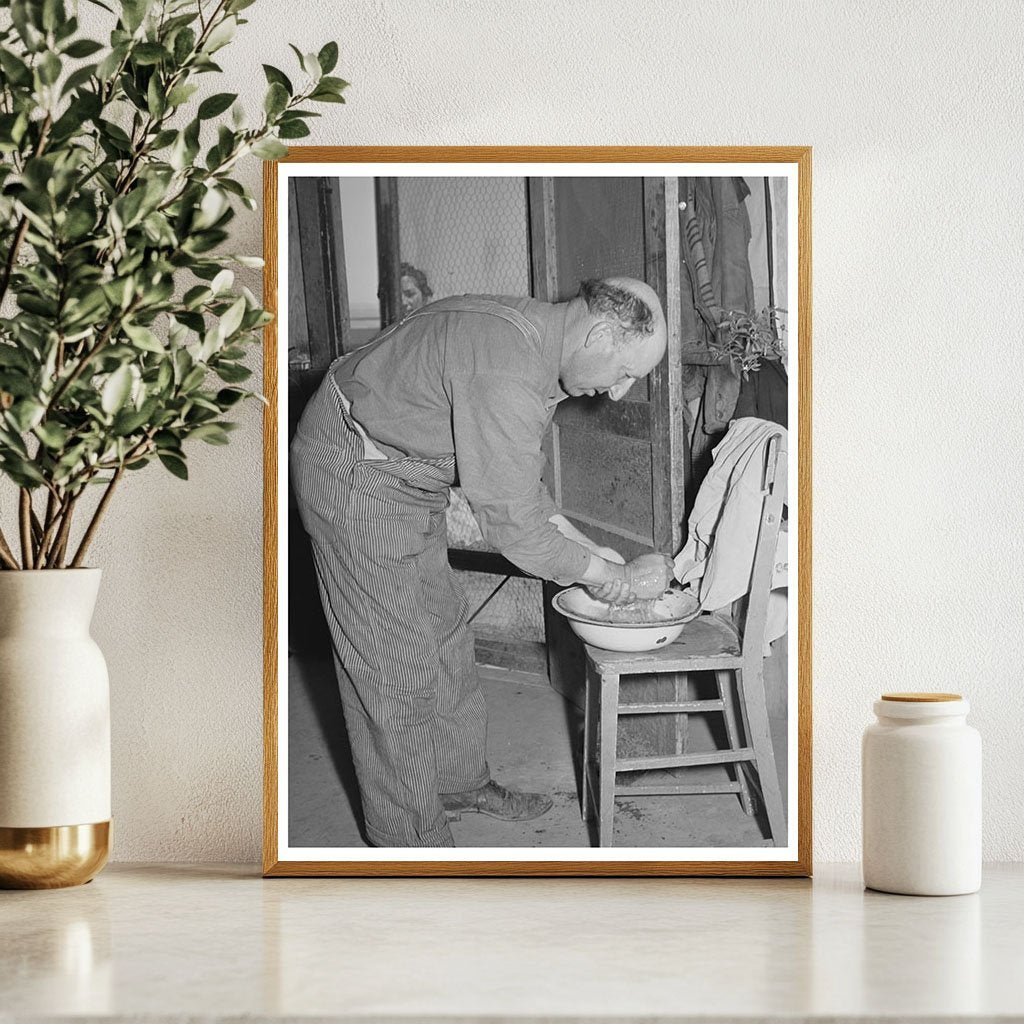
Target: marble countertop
<point>179,941</point>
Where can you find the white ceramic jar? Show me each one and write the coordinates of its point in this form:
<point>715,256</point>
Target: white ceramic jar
<point>921,778</point>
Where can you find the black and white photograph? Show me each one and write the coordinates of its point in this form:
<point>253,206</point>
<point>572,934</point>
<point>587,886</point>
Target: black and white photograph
<point>537,528</point>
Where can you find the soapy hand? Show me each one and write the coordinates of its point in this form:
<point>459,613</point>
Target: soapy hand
<point>648,576</point>
<point>643,579</point>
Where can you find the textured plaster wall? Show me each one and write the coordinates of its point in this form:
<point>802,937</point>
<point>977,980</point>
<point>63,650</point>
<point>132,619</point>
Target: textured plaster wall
<point>913,110</point>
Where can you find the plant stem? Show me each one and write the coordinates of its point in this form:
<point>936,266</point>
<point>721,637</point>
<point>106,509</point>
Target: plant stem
<point>97,516</point>
<point>54,508</point>
<point>6,555</point>
<point>22,229</point>
<point>25,520</point>
<point>61,543</point>
<point>87,357</point>
<point>12,255</point>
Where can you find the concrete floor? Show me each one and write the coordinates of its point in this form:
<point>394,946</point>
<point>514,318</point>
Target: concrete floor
<point>534,738</point>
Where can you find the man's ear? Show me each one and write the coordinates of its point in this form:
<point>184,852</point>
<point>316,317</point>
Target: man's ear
<point>600,332</point>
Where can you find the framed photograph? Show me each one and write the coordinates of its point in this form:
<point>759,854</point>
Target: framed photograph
<point>538,511</point>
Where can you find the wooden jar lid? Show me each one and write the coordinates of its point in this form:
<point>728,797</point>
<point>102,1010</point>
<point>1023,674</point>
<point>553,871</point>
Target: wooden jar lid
<point>921,698</point>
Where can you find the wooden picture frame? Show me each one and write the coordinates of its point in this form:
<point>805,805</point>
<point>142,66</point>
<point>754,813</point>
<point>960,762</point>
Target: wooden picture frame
<point>661,172</point>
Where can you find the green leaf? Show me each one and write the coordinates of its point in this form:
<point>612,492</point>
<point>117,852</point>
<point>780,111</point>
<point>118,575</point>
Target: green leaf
<point>292,130</point>
<point>175,465</point>
<point>162,139</point>
<point>211,433</point>
<point>195,296</point>
<point>184,44</point>
<point>35,304</point>
<point>328,57</point>
<point>214,105</point>
<point>269,149</point>
<point>232,319</point>
<point>143,338</point>
<point>116,390</point>
<point>227,397</point>
<point>83,48</point>
<point>133,13</point>
<point>21,471</point>
<point>129,207</point>
<point>232,373</point>
<point>49,68</point>
<point>275,76</point>
<point>128,421</point>
<point>53,435</point>
<point>276,100</point>
<point>311,65</point>
<point>193,379</point>
<point>115,133</point>
<point>156,100</point>
<point>78,78</point>
<point>334,84</point>
<point>323,96</point>
<point>222,282</point>
<point>11,356</point>
<point>181,94</point>
<point>53,14</point>
<point>109,65</point>
<point>26,413</point>
<point>26,20</point>
<point>14,68</point>
<point>221,35</point>
<point>149,53</point>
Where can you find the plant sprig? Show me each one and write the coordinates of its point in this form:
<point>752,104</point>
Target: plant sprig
<point>745,339</point>
<point>130,335</point>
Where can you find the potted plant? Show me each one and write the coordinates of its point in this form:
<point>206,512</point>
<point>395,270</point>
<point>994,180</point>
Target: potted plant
<point>122,340</point>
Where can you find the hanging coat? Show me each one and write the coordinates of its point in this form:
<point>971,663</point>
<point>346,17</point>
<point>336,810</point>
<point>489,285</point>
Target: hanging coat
<point>716,237</point>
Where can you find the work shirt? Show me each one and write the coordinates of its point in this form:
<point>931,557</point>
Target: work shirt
<point>474,386</point>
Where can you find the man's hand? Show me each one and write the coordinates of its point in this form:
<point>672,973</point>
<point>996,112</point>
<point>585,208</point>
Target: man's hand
<point>612,592</point>
<point>648,576</point>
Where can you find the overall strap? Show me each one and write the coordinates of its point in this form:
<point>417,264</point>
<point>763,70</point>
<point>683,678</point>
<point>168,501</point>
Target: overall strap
<point>488,307</point>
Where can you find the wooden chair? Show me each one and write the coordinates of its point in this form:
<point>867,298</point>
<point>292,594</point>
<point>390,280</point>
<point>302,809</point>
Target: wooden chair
<point>711,642</point>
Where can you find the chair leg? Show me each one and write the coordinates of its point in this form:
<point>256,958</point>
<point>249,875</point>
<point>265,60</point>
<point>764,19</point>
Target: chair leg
<point>606,770</point>
<point>751,686</point>
<point>593,683</point>
<point>724,678</point>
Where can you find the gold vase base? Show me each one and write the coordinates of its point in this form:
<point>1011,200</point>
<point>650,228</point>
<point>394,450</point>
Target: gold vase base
<point>53,857</point>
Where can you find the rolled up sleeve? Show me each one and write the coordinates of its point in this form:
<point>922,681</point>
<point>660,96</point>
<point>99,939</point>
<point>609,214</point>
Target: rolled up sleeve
<point>498,426</point>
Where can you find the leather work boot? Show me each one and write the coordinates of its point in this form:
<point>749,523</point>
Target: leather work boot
<point>497,802</point>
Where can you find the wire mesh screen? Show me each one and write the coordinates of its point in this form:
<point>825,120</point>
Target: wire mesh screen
<point>462,236</point>
<point>467,235</point>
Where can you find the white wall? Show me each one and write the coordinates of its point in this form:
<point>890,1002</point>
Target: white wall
<point>913,110</point>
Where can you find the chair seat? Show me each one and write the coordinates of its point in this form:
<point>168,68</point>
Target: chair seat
<point>706,642</point>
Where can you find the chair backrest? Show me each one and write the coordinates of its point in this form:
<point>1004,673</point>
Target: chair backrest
<point>775,474</point>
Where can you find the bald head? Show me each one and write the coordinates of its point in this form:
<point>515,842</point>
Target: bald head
<point>630,304</point>
<point>616,336</point>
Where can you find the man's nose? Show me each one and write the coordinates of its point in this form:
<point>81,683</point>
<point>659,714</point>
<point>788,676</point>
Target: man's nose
<point>617,391</point>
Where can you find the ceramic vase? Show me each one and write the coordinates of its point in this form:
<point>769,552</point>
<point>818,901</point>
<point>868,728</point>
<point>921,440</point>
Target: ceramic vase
<point>921,772</point>
<point>54,731</point>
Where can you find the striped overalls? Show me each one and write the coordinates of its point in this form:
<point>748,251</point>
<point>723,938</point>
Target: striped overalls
<point>413,707</point>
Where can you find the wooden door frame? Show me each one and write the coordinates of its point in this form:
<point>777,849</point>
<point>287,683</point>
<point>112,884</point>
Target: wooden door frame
<point>389,258</point>
<point>662,269</point>
<point>322,248</point>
